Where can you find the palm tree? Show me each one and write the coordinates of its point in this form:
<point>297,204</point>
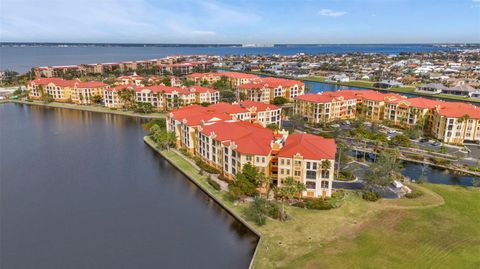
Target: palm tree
<point>127,97</point>
<point>326,164</point>
<point>288,190</point>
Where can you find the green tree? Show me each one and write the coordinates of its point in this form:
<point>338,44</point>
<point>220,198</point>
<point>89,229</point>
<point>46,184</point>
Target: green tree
<point>166,81</point>
<point>188,83</point>
<point>297,120</point>
<point>127,96</point>
<point>204,83</point>
<point>279,100</point>
<point>245,183</point>
<point>221,84</point>
<point>272,126</point>
<point>287,190</point>
<point>47,98</point>
<point>383,171</point>
<point>400,140</point>
<point>97,99</point>
<point>227,96</point>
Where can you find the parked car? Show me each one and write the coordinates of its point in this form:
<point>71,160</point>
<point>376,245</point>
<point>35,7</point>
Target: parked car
<point>335,125</point>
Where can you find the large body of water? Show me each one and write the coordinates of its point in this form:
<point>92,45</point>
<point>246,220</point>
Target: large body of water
<point>22,59</point>
<point>82,190</point>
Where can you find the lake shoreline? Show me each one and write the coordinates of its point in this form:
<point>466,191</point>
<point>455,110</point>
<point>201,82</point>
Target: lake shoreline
<point>209,193</point>
<point>88,108</point>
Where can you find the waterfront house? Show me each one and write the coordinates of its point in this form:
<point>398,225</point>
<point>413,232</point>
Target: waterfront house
<point>384,84</point>
<point>432,88</point>
<point>461,89</point>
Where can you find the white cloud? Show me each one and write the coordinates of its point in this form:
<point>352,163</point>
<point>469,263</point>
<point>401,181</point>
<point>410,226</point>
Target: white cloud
<point>331,13</point>
<point>203,33</point>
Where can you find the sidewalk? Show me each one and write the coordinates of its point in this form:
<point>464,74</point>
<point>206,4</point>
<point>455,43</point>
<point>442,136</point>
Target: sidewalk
<point>223,184</point>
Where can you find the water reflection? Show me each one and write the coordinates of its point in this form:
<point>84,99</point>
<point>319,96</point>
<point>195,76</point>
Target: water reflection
<point>82,190</point>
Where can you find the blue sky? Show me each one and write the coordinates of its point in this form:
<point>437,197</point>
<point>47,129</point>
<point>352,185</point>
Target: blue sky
<point>241,21</point>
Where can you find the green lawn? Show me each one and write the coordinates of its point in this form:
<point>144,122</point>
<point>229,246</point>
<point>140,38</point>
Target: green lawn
<point>446,236</point>
<point>441,229</point>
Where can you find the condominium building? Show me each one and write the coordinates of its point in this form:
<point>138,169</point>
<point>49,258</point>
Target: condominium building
<point>83,92</point>
<point>130,80</point>
<point>409,112</point>
<point>456,122</point>
<point>266,89</point>
<point>205,95</point>
<point>234,79</point>
<point>450,122</point>
<point>112,98</point>
<point>61,90</point>
<point>58,88</point>
<point>326,106</point>
<point>228,144</point>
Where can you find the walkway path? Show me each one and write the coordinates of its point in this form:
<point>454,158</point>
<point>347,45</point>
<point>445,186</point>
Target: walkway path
<point>223,184</point>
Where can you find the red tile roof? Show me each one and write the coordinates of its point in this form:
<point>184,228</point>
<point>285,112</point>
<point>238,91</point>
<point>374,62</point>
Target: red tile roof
<point>195,114</point>
<point>309,146</point>
<point>120,87</point>
<point>271,83</point>
<point>236,75</point>
<point>260,106</point>
<point>162,88</point>
<point>90,84</point>
<point>458,110</point>
<point>227,108</point>
<point>250,138</point>
<point>201,89</point>
<point>328,97</point>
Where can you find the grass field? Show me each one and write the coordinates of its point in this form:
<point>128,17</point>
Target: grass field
<point>441,229</point>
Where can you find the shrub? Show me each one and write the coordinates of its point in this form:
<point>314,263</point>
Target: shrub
<point>439,161</point>
<point>260,208</point>
<point>414,194</point>
<point>346,175</point>
<point>184,151</point>
<point>371,196</point>
<point>206,167</point>
<point>315,203</point>
<point>214,184</point>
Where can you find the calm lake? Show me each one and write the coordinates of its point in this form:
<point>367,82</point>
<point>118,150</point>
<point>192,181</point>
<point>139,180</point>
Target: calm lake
<point>82,190</point>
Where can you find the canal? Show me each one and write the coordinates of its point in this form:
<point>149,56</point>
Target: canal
<point>82,190</point>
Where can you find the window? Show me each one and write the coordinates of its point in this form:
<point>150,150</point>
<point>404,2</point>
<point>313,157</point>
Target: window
<point>311,174</point>
<point>297,173</point>
<point>324,184</point>
<point>310,185</point>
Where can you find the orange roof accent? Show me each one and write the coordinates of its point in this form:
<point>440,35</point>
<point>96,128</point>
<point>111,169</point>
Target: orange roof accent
<point>250,138</point>
<point>309,146</point>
